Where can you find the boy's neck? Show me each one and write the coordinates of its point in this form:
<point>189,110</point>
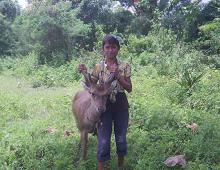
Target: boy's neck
<point>111,61</point>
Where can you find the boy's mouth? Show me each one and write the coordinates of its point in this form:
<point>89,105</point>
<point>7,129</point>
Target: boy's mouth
<point>110,54</point>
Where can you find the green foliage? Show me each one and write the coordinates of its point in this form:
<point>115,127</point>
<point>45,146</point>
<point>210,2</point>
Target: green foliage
<point>43,75</point>
<point>145,12</point>
<point>8,63</point>
<point>6,37</point>
<point>181,17</point>
<point>162,50</point>
<point>206,137</point>
<point>13,109</point>
<point>27,145</point>
<point>205,96</point>
<point>209,42</point>
<point>53,31</point>
<point>161,124</point>
<point>209,12</point>
<point>158,41</point>
<point>1,68</point>
<point>138,45</point>
<point>157,127</point>
<point>46,76</point>
<point>123,20</point>
<point>9,9</point>
<point>207,28</point>
<point>172,85</point>
<point>95,10</point>
<point>190,70</point>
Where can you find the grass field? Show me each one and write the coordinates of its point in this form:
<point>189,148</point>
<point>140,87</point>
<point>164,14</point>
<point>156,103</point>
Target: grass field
<point>34,121</point>
<point>33,124</point>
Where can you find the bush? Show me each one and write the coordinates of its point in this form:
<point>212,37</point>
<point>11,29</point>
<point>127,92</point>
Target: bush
<point>1,67</point>
<point>203,96</point>
<point>138,45</point>
<point>60,76</point>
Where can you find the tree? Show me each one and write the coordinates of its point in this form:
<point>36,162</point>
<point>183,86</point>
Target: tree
<point>51,30</point>
<point>209,30</point>
<point>145,12</point>
<point>94,12</point>
<point>209,12</point>
<point>6,38</point>
<point>180,16</point>
<point>8,11</point>
<point>209,41</point>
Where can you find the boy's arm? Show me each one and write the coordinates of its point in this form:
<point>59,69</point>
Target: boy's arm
<point>125,82</point>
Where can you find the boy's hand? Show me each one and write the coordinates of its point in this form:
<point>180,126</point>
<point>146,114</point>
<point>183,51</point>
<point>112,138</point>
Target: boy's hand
<point>113,69</point>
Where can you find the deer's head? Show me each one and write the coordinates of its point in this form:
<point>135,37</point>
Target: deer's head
<point>99,92</point>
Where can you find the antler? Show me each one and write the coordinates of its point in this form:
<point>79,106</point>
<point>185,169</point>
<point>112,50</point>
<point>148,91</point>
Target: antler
<point>87,77</point>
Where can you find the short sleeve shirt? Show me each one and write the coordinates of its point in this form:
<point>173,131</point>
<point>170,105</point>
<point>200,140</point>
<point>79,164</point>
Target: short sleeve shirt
<point>100,73</point>
<point>117,100</point>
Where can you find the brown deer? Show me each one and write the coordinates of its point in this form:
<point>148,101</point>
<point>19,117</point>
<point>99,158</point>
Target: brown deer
<point>87,106</point>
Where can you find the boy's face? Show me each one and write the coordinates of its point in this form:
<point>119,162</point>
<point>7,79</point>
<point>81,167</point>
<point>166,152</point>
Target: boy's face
<point>110,50</point>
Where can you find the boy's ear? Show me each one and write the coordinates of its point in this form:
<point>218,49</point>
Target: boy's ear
<point>102,52</point>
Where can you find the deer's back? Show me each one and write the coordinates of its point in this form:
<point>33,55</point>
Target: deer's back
<point>81,107</point>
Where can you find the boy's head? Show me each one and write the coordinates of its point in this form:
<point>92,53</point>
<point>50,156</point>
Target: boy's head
<point>111,39</point>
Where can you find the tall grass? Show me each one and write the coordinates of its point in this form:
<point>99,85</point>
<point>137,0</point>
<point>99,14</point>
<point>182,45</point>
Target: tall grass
<point>34,98</point>
<point>156,131</point>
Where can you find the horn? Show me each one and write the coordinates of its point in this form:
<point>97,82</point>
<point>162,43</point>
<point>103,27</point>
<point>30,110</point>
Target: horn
<point>87,77</point>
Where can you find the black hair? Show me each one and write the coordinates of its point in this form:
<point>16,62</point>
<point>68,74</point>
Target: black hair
<point>111,39</point>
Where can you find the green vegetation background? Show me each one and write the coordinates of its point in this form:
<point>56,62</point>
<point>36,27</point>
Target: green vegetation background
<point>173,48</point>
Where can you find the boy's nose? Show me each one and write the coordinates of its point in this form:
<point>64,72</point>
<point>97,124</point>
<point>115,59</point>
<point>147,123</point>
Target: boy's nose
<point>111,49</point>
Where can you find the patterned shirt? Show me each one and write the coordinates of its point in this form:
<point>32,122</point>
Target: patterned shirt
<point>100,72</point>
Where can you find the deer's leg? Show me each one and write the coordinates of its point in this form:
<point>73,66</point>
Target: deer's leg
<point>83,141</point>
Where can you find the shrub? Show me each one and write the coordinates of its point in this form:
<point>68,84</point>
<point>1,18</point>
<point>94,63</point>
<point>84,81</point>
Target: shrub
<point>60,76</point>
<point>1,67</point>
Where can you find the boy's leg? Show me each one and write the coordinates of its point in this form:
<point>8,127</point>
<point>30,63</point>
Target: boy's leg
<point>104,137</point>
<point>120,161</point>
<point>120,130</point>
<point>100,165</point>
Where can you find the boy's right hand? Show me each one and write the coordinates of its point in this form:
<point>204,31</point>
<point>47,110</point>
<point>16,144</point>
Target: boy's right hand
<point>82,68</point>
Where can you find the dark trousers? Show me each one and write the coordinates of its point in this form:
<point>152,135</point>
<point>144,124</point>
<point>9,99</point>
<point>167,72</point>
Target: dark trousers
<point>120,121</point>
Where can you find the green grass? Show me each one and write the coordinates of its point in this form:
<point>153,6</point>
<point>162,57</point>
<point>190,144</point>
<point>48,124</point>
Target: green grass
<point>156,129</point>
<point>25,114</point>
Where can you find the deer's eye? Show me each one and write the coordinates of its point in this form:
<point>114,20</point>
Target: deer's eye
<point>93,94</point>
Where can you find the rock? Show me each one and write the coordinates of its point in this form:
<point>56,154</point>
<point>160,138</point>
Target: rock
<point>193,127</point>
<point>175,160</point>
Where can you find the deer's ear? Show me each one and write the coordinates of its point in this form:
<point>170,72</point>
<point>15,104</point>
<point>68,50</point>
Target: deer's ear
<point>86,87</point>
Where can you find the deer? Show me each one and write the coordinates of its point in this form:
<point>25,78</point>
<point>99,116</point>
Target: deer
<point>87,107</point>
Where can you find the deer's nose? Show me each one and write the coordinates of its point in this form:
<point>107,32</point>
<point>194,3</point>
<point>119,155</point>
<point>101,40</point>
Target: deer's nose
<point>100,110</point>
